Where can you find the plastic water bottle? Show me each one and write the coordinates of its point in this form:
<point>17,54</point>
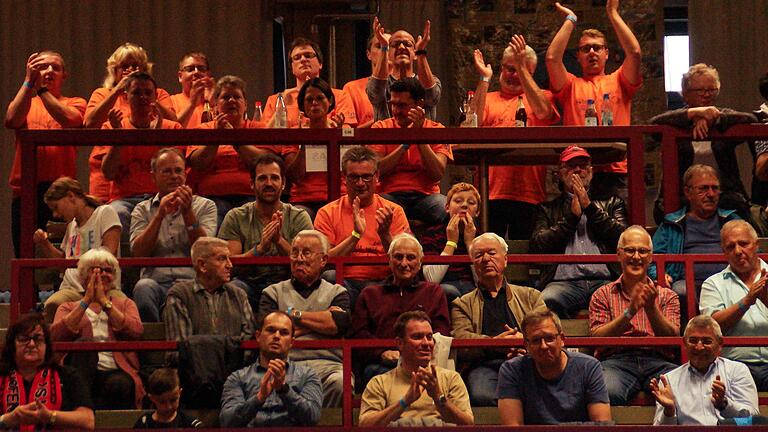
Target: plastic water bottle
<point>590,115</point>
<point>606,114</point>
<point>281,114</point>
<point>469,109</point>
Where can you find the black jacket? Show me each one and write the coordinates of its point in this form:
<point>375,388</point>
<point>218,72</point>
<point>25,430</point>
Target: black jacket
<point>556,225</point>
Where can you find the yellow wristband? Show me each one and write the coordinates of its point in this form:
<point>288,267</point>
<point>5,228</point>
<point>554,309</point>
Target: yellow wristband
<point>452,244</point>
<point>356,234</point>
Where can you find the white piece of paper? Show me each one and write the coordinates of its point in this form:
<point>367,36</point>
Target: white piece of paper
<point>317,157</point>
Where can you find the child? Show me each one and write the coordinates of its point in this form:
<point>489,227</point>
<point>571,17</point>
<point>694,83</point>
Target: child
<point>164,391</point>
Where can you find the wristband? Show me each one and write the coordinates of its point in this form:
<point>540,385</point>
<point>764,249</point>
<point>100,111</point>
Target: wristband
<point>406,146</point>
<point>628,314</point>
<point>572,18</point>
<point>52,420</point>
<point>355,234</point>
<point>421,52</point>
<point>485,79</point>
<point>384,48</point>
<point>28,84</point>
<point>193,227</point>
<point>452,244</point>
<point>42,90</point>
<point>255,251</point>
<point>743,306</point>
<point>84,305</point>
<point>289,311</point>
<point>403,405</point>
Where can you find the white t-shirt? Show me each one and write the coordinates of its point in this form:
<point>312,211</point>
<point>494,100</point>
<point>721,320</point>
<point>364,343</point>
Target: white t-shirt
<point>100,325</point>
<point>79,240</point>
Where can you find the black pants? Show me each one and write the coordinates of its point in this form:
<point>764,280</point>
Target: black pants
<point>44,214</point>
<point>513,219</point>
<point>110,389</point>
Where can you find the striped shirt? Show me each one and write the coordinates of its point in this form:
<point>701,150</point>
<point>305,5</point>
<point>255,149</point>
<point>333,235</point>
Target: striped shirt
<point>610,301</point>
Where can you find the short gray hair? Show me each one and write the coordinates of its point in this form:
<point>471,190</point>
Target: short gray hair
<point>204,245</point>
<point>491,236</point>
<point>324,244</point>
<point>633,228</point>
<point>704,321</point>
<point>699,169</point>
<point>697,70</point>
<point>401,238</point>
<point>530,55</point>
<point>94,257</point>
<point>732,225</point>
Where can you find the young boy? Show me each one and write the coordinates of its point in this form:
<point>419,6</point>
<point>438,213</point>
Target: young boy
<point>164,391</point>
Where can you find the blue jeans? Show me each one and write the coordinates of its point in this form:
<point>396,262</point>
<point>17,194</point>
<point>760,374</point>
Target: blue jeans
<point>149,296</point>
<point>454,289</point>
<point>759,373</point>
<point>353,286</point>
<point>426,208</point>
<point>629,372</point>
<point>228,202</point>
<point>482,382</point>
<point>567,297</point>
<point>124,208</point>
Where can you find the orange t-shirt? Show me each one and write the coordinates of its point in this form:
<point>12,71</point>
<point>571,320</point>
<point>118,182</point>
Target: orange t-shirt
<point>292,107</point>
<point>409,174</point>
<point>179,102</point>
<point>335,221</point>
<point>228,175</point>
<point>313,186</point>
<point>355,91</point>
<point>52,161</point>
<point>134,176</point>
<point>98,185</point>
<point>526,183</point>
<point>101,93</point>
<point>573,99</point>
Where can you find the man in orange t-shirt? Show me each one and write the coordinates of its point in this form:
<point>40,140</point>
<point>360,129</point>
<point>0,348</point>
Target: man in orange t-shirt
<point>39,104</point>
<point>355,90</point>
<point>306,63</point>
<point>573,92</point>
<point>514,191</point>
<point>411,176</point>
<point>196,88</point>
<point>361,223</point>
<point>129,167</point>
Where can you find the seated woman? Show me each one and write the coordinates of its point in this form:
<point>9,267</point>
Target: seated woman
<point>453,238</point>
<point>310,189</point>
<point>91,225</point>
<point>112,376</point>
<point>30,377</point>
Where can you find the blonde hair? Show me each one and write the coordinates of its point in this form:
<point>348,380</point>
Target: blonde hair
<point>63,185</point>
<point>594,33</point>
<point>124,52</point>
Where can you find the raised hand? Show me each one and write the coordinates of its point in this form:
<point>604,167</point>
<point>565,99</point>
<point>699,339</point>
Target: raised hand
<point>757,289</point>
<point>384,217</point>
<point>718,393</point>
<point>40,237</point>
<point>483,69</point>
<point>184,197</point>
<point>90,286</point>
<point>431,383</point>
<point>378,30</point>
<point>222,122</point>
<point>169,204</point>
<point>469,229</point>
<point>580,191</point>
<point>115,117</point>
<point>33,68</point>
<point>417,116</point>
<point>575,206</point>
<point>123,83</point>
<point>423,39</point>
<point>266,385</point>
<point>564,11</point>
<point>414,390</point>
<point>517,43</point>
<point>663,394</point>
<point>277,367</point>
<point>452,229</point>
<point>358,216</point>
<point>337,120</point>
<point>612,6</point>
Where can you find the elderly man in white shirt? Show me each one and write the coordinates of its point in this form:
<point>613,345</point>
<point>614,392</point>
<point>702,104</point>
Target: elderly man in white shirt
<point>708,388</point>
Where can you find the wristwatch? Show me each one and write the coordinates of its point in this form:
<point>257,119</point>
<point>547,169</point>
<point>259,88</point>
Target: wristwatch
<point>107,306</point>
<point>442,401</point>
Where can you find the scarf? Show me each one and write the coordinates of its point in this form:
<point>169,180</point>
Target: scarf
<point>46,388</point>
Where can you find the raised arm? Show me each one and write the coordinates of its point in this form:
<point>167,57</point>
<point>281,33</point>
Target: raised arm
<point>486,73</point>
<point>423,71</point>
<point>539,103</point>
<point>629,44</point>
<point>558,75</point>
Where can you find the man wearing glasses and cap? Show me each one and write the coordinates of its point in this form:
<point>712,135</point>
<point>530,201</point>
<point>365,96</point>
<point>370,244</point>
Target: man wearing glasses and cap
<point>576,223</point>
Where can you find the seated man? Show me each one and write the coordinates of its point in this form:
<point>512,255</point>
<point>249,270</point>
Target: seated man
<point>166,226</point>
<point>694,229</point>
<point>272,391</point>
<point>633,305</point>
<point>361,223</point>
<point>494,310</point>
<point>550,385</point>
<point>196,89</point>
<point>411,176</point>
<point>210,304</point>
<point>576,223</point>
<point>264,227</point>
<point>319,309</point>
<point>729,390</point>
<point>737,297</point>
<point>379,305</point>
<point>416,392</point>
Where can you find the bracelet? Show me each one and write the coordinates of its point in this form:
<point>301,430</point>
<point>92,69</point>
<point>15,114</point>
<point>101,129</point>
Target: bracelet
<point>84,305</point>
<point>355,234</point>
<point>421,52</point>
<point>403,405</point>
<point>452,244</point>
<point>485,79</point>
<point>628,314</point>
<point>52,420</point>
<point>42,90</point>
<point>193,227</point>
<point>28,84</point>
<point>743,306</point>
<point>572,18</point>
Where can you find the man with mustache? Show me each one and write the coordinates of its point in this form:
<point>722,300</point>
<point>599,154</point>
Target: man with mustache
<point>166,225</point>
<point>39,104</point>
<point>694,229</point>
<point>264,227</point>
<point>572,92</point>
<point>737,297</point>
<point>319,309</point>
<point>633,305</point>
<point>196,89</point>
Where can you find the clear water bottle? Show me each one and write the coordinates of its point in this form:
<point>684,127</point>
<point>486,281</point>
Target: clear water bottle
<point>281,114</point>
<point>590,115</point>
<point>606,114</point>
<point>470,119</point>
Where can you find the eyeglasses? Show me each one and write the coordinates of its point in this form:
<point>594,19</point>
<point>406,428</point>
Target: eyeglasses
<point>706,341</point>
<point>643,252</point>
<point>192,68</point>
<point>703,91</point>
<point>130,66</point>
<point>24,339</point>
<point>366,178</point>
<point>404,42</point>
<point>702,189</point>
<point>305,253</point>
<point>548,339</point>
<point>581,165</point>
<point>306,55</point>
<point>587,48</point>
<point>108,270</point>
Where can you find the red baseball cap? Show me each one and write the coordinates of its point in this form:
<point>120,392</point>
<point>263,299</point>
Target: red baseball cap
<point>573,152</point>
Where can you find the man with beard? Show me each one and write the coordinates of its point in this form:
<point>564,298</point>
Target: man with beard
<point>576,222</point>
<point>264,227</point>
<point>633,305</point>
<point>416,392</point>
<point>550,385</point>
<point>515,191</point>
<point>166,226</point>
<point>272,391</point>
<point>730,387</point>
<point>196,89</point>
<point>620,86</point>
<point>694,229</point>
<point>319,309</point>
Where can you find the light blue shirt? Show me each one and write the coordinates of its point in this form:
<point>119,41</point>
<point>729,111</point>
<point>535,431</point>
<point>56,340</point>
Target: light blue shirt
<point>724,289</point>
<point>693,394</point>
<point>581,244</point>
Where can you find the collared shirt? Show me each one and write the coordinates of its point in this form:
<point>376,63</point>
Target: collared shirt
<point>173,237</point>
<point>609,302</point>
<point>298,406</point>
<point>379,96</point>
<point>693,393</point>
<point>724,289</point>
<point>581,244</point>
